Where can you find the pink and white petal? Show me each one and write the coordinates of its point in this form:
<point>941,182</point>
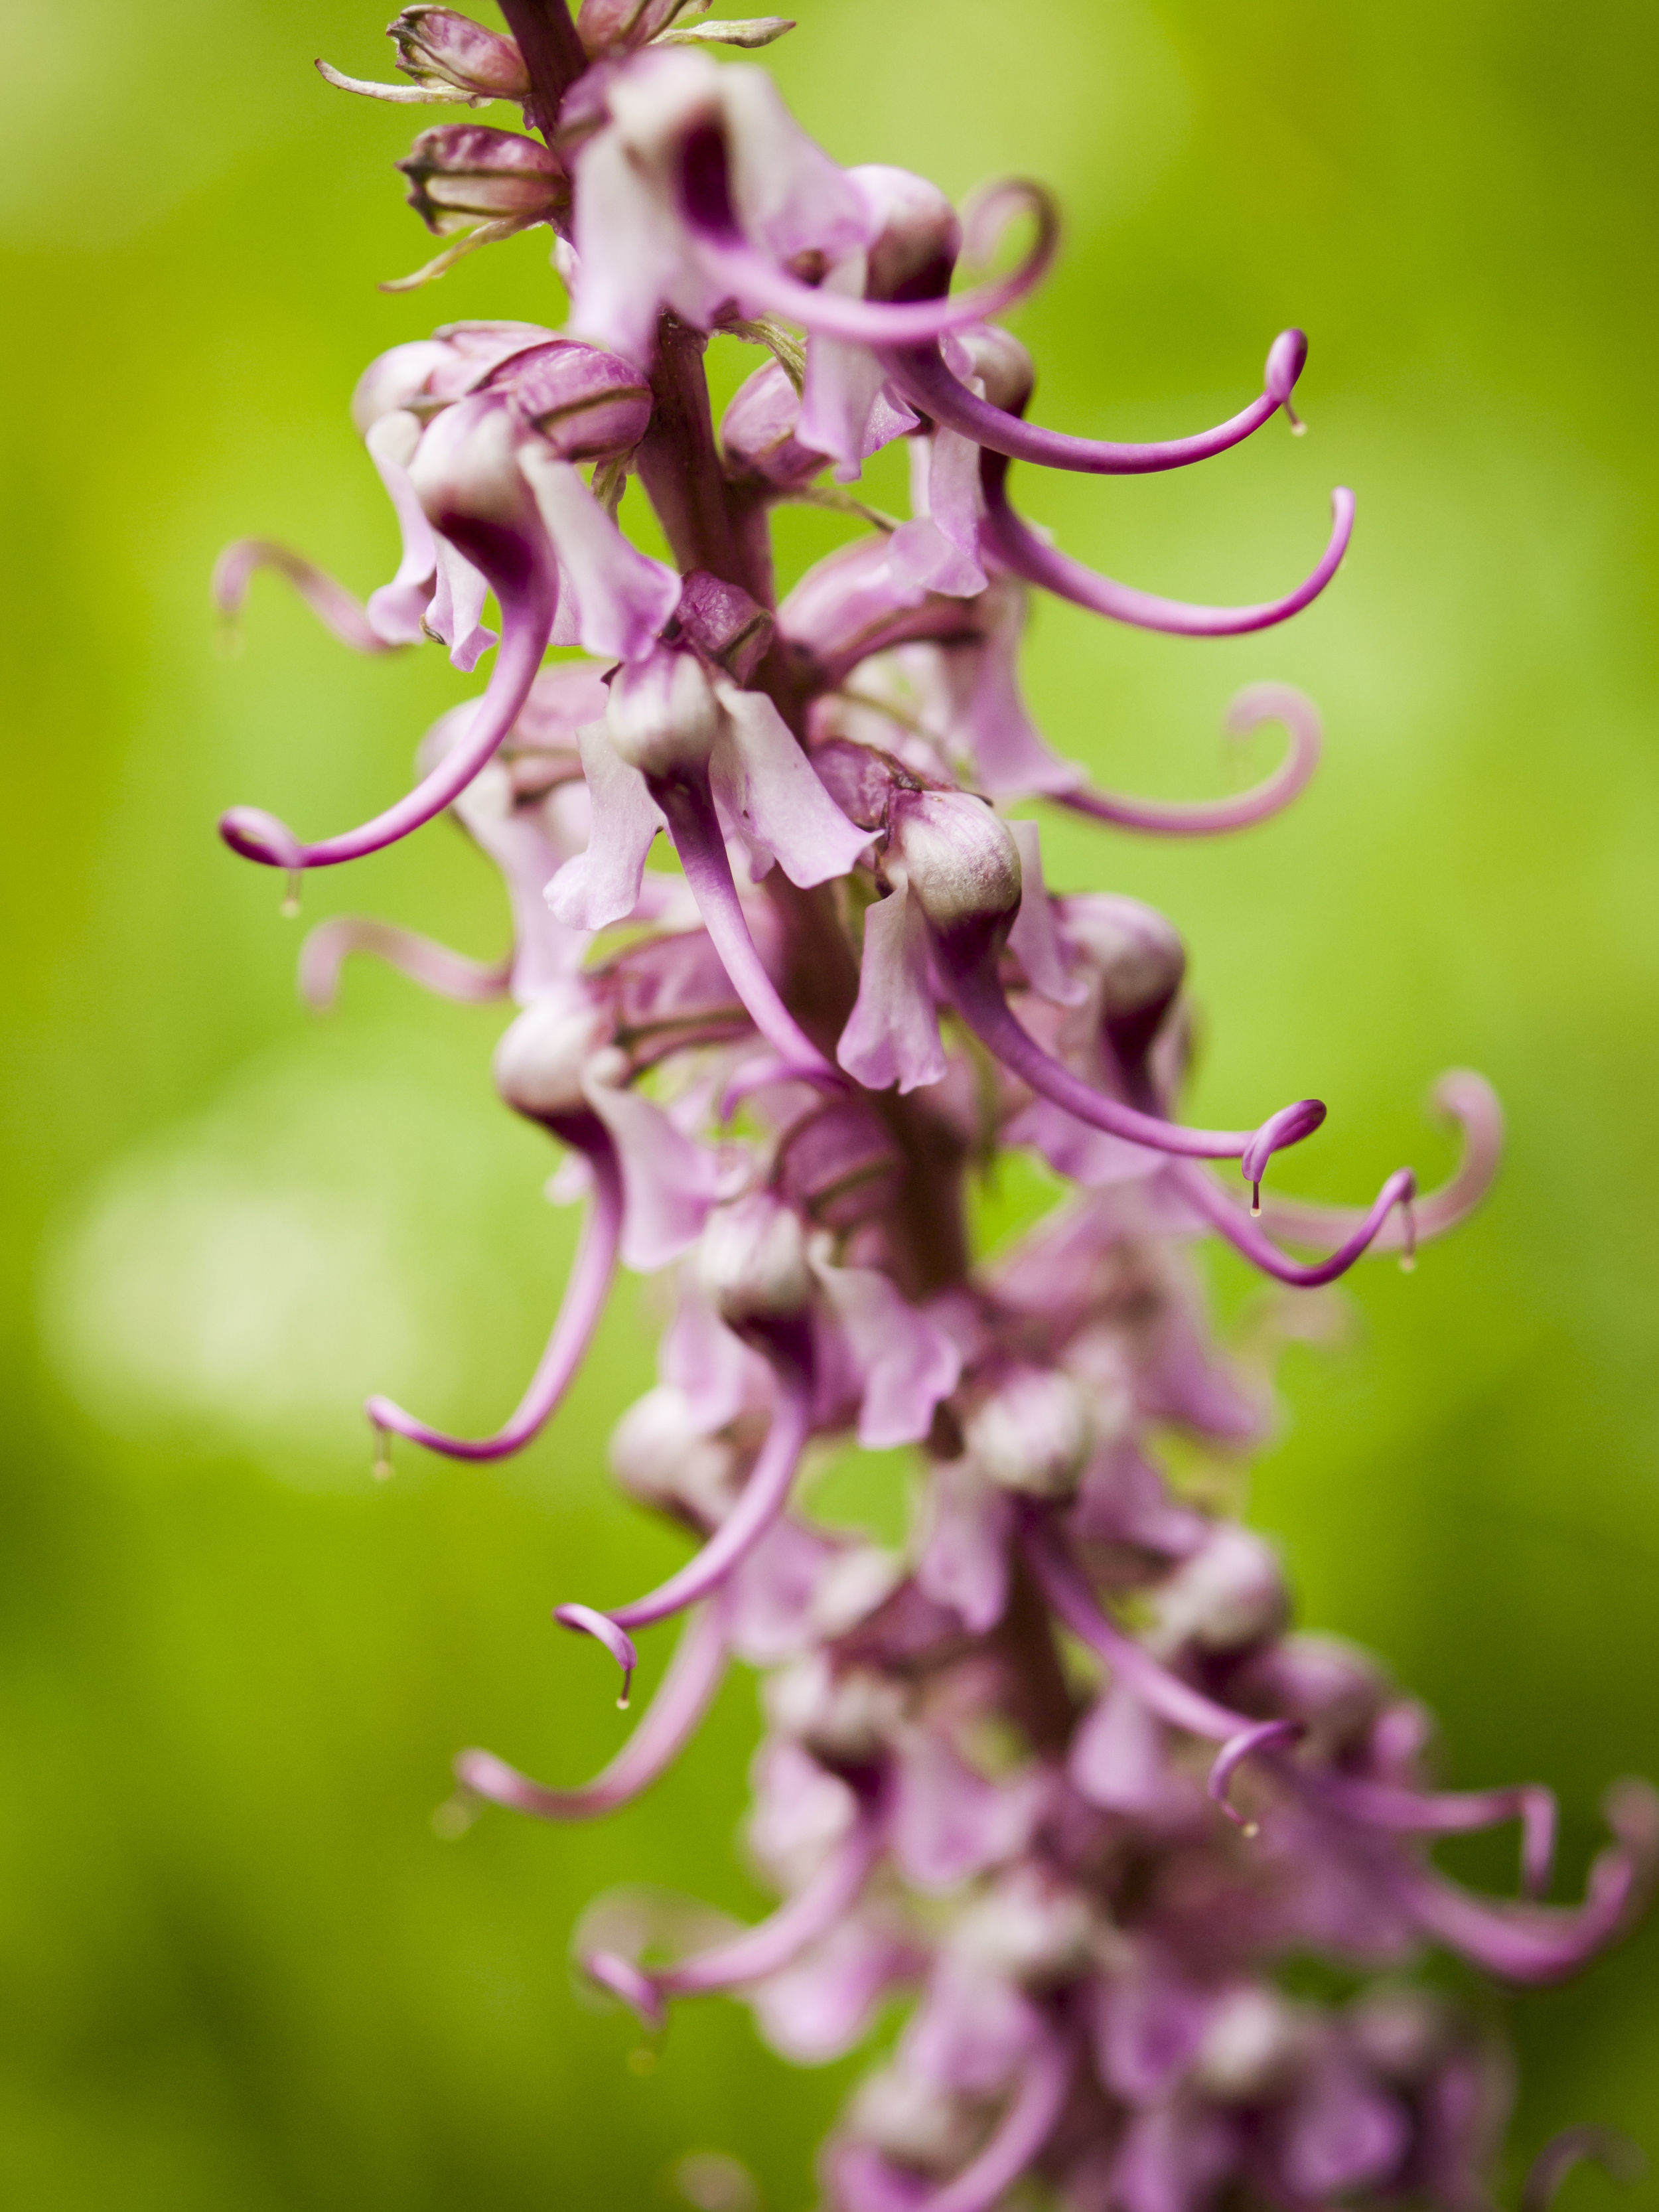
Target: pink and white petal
<point>1118,1759</point>
<point>714,1371</point>
<point>395,610</point>
<point>457,604</point>
<point>965,1552</point>
<point>602,886</point>
<point>892,1033</point>
<point>669,1184</point>
<point>949,1823</point>
<point>904,1363</point>
<point>623,597</point>
<point>818,2008</point>
<point>1033,938</point>
<point>770,787</point>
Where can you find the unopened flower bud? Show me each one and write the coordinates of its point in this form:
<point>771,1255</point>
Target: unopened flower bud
<point>1229,1595</point>
<point>663,717</point>
<point>463,172</point>
<point>539,1062</point>
<point>724,624</point>
<point>757,432</point>
<point>752,1261</point>
<point>920,237</point>
<point>587,404</point>
<point>1251,2044</point>
<point>437,47</point>
<point>1130,953</point>
<point>959,860</point>
<point>658,1455</point>
<point>1032,1433</point>
<point>1001,364</point>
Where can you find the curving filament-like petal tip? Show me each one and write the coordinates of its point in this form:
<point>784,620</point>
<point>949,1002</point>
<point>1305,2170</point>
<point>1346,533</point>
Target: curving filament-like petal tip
<point>1232,1755</point>
<point>1616,2154</point>
<point>616,1640</point>
<point>1277,1134</point>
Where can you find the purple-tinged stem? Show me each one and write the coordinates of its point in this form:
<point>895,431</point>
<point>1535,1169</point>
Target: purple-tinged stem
<point>590,1275</point>
<point>764,1496</point>
<point>1018,547</point>
<point>1245,1236</point>
<point>928,384</point>
<point>434,967</point>
<point>1212,818</point>
<point>1162,1692</point>
<point>977,991</point>
<point>1617,2155</point>
<point>1470,1101</point>
<point>766,1948</point>
<point>553,55</point>
<point>1019,2136</point>
<point>667,1725</point>
<point>695,827</point>
<point>339,611</point>
<point>763,286</point>
<point>1262,1736</point>
<point>526,625</point>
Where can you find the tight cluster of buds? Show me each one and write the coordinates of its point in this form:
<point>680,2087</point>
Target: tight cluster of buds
<point>1059,1771</point>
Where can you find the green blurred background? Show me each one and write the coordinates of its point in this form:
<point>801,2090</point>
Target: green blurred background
<point>239,1968</point>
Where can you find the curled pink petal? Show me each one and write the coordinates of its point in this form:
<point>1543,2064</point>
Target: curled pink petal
<point>1465,1097</point>
<point>1261,703</point>
<point>1448,1813</point>
<point>925,381</point>
<point>979,998</point>
<point>434,966</point>
<point>600,1627</point>
<point>763,1498</point>
<point>763,287</point>
<point>1245,1236</point>
<point>1019,547</point>
<point>1019,2136</point>
<point>688,809</point>
<point>591,1276</point>
<point>1616,2154</point>
<point>1232,1755</point>
<point>339,611</point>
<point>665,1727</point>
<point>527,621</point>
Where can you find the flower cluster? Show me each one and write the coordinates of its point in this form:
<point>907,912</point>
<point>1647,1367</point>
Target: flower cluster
<point>1058,1771</point>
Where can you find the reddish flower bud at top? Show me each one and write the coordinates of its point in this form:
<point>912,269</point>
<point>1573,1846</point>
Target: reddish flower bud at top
<point>588,406</point>
<point>616,26</point>
<point>436,46</point>
<point>463,172</point>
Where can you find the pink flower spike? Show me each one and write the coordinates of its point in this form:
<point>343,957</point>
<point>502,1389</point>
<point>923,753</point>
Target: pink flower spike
<point>763,1498</point>
<point>689,810</point>
<point>623,597</point>
<point>1211,818</point>
<point>604,1631</point>
<point>925,379</point>
<point>591,1276</point>
<point>1232,1755</point>
<point>338,610</point>
<point>433,966</point>
<point>1019,547</point>
<point>664,1728</point>
<point>1026,2126</point>
<point>1245,1236</point>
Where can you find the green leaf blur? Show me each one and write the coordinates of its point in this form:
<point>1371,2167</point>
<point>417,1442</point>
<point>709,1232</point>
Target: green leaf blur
<point>242,1969</point>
